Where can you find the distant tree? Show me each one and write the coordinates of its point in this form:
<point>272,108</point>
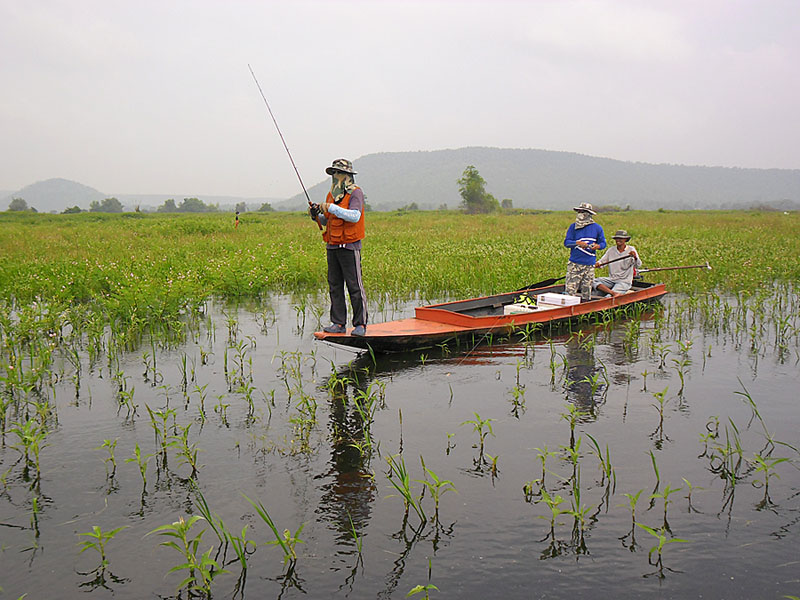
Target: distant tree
<point>412,206</point>
<point>17,205</point>
<point>109,205</point>
<point>241,207</point>
<point>475,198</point>
<point>194,205</point>
<point>167,207</point>
<point>266,207</point>
<point>443,206</point>
<point>507,204</point>
<point>72,210</point>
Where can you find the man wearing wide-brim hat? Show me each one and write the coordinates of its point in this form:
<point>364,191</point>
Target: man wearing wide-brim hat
<point>584,238</point>
<point>622,261</point>
<point>342,215</point>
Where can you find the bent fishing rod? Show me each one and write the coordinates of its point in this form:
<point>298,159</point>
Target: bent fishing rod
<point>300,179</point>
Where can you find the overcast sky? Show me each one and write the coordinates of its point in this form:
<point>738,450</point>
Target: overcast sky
<point>140,97</point>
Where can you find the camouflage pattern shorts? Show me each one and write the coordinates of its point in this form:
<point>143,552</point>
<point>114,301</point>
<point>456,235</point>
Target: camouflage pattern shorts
<point>579,280</point>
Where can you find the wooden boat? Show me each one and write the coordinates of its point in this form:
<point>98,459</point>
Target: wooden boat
<point>472,319</point>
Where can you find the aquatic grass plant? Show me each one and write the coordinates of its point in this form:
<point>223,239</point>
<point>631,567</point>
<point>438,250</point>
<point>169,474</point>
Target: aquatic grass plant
<point>436,486</point>
<point>664,495</point>
<point>572,416</point>
<point>30,440</point>
<point>400,479</point>
<point>606,468</point>
<point>483,427</point>
<point>97,540</point>
<point>109,445</point>
<point>662,540</point>
<point>661,400</point>
<point>141,461</point>
<point>287,541</point>
<point>201,569</point>
<point>766,467</point>
<point>187,452</point>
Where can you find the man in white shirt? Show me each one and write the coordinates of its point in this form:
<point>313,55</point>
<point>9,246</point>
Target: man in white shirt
<point>621,261</point>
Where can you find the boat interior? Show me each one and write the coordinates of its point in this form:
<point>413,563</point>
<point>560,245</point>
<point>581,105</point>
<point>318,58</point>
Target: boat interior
<point>496,305</point>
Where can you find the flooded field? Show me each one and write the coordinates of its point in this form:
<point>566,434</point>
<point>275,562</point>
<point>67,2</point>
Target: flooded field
<point>655,456</point>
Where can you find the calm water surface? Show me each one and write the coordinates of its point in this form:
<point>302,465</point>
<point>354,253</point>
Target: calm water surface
<point>490,539</point>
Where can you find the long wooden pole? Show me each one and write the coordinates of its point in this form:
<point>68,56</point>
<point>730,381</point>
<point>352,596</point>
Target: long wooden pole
<point>705,266</point>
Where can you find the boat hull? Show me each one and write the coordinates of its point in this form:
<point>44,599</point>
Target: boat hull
<point>470,320</point>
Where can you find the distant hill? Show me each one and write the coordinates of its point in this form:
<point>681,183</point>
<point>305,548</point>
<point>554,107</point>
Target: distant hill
<point>545,179</point>
<point>58,194</point>
<point>539,179</point>
<point>55,195</point>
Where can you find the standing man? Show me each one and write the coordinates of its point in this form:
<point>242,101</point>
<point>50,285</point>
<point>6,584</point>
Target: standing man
<point>620,272</point>
<point>342,214</point>
<point>584,237</point>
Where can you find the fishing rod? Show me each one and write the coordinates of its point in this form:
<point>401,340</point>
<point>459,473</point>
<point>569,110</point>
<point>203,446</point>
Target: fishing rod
<point>599,265</point>
<point>547,282</point>
<point>300,179</point>
<point>705,266</point>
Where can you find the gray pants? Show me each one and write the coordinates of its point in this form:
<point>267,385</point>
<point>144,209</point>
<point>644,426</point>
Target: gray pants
<point>579,280</point>
<point>344,266</point>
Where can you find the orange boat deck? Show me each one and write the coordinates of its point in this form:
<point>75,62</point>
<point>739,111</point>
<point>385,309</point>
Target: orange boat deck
<point>438,323</point>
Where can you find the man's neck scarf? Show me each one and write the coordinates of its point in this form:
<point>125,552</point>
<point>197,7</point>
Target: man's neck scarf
<point>582,219</point>
<point>341,184</point>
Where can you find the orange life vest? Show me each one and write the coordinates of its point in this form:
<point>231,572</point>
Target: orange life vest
<point>339,231</point>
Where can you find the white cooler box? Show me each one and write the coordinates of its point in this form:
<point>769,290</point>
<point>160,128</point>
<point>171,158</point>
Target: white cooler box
<point>557,299</point>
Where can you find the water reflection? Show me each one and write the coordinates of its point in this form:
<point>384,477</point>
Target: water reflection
<point>349,491</point>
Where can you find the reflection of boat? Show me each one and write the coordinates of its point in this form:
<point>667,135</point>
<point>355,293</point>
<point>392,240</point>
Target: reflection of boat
<point>490,315</point>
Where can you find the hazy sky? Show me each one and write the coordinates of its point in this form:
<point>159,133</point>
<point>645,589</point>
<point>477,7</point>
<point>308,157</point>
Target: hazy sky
<point>138,97</point>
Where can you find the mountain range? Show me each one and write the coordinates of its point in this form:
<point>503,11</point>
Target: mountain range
<point>535,179</point>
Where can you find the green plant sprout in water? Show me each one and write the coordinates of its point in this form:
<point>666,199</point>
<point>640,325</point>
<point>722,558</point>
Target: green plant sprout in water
<point>483,427</point>
<point>661,536</point>
<point>287,542</point>
<point>141,460</point>
<point>767,467</point>
<point>401,481</point>
<point>680,366</point>
<point>436,486</point>
<point>668,491</point>
<point>552,502</point>
<point>110,446</point>
<point>543,454</point>
<point>356,538</point>
<point>691,488</point>
<point>661,399</point>
<point>419,589</point>
<point>633,500</point>
<point>97,540</point>
<point>606,468</point>
<point>493,465</point>
<point>572,416</point>
<point>202,569</point>
<point>31,436</point>
<point>187,452</point>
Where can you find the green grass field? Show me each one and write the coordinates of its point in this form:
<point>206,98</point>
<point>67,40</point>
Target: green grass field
<point>159,263</point>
